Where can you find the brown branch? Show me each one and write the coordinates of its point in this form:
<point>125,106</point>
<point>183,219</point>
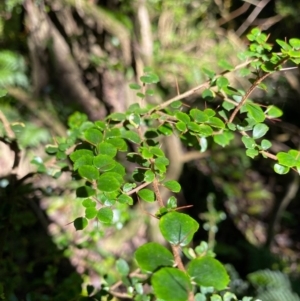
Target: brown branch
<point>9,132</point>
<point>137,188</point>
<point>157,193</point>
<point>245,97</point>
<point>234,14</point>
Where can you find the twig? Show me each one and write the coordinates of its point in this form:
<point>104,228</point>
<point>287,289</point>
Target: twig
<point>157,193</point>
<point>137,188</point>
<point>234,14</point>
<point>9,132</point>
<point>252,17</point>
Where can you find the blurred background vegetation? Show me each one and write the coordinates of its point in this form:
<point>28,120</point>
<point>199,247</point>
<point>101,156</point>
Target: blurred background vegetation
<point>62,56</point>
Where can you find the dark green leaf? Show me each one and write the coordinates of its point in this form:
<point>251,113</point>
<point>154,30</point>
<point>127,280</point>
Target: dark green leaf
<point>181,126</point>
<point>171,284</point>
<point>131,136</point>
<point>108,183</point>
<point>88,172</point>
<point>80,223</point>
<point>198,115</point>
<point>85,191</point>
<point>79,153</point>
<point>84,160</point>
<point>207,271</point>
<point>146,195</point>
<point>104,162</point>
<point>178,228</point>
<point>93,136</point>
<point>108,149</point>
<point>205,130</point>
<point>105,215</point>
<point>216,122</point>
<point>185,118</point>
<point>152,256</point>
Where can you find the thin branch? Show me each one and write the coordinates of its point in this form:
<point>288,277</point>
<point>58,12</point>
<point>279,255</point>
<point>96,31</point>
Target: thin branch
<point>137,188</point>
<point>157,193</point>
<point>9,132</point>
<point>252,17</point>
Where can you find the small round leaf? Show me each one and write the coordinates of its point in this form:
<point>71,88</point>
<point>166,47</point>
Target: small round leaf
<point>146,195</point>
<point>88,172</point>
<point>105,215</point>
<point>171,284</point>
<point>151,256</point>
<point>108,183</point>
<point>178,228</point>
<point>80,223</point>
<point>207,271</point>
<point>172,185</point>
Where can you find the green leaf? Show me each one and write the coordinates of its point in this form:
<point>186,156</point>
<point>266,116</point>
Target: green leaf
<point>207,271</point>
<point>125,199</point>
<point>112,133</point>
<point>174,186</point>
<point>193,126</point>
<point>185,118</point>
<point>152,256</point>
<point>172,202</point>
<point>222,82</point>
<point>178,228</point>
<point>165,129</point>
<point>85,191</point>
<point>51,149</point>
<point>88,203</point>
<point>252,153</point>
<point>216,122</point>
<point>255,112</point>
<point>205,130</point>
<point>131,136</point>
<point>224,138</point>
<point>249,142</point>
<point>295,43</point>
<point>149,78</point>
<point>88,172</point>
<point>134,86</point>
<point>134,119</point>
<point>203,144</point>
<point>198,115</point>
<point>90,212</point>
<point>171,284</point>
<point>259,130</point>
<point>265,144</point>
<point>122,267</point>
<point>176,104</point>
<point>146,195</point>
<point>79,153</point>
<point>150,92</point>
<point>93,136</point>
<point>274,112</point>
<point>225,65</point>
<point>207,93</point>
<point>118,143</point>
<point>108,149</point>
<point>105,215</point>
<point>84,160</point>
<point>156,151</point>
<point>117,116</point>
<point>181,126</point>
<point>149,176</point>
<point>104,162</point>
<point>108,183</point>
<point>280,169</point>
<point>80,223</point>
<point>283,45</point>
<point>289,159</point>
<point>209,73</point>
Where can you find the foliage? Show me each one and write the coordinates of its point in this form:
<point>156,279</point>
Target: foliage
<point>93,148</point>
